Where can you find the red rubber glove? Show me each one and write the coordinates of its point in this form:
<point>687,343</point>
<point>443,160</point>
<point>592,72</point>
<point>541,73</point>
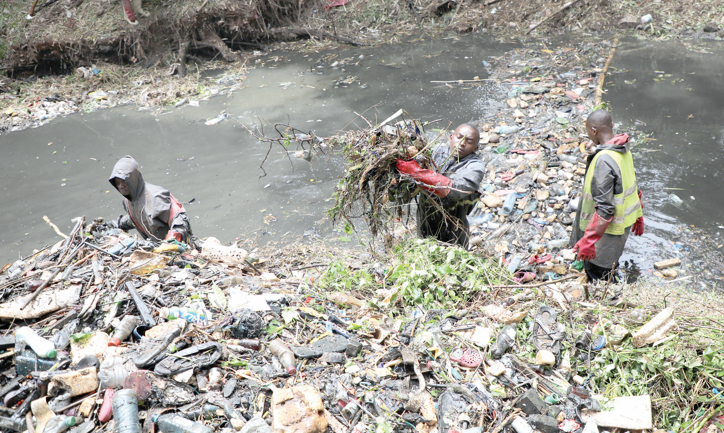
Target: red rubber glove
<point>586,247</point>
<point>638,227</point>
<point>173,235</point>
<point>428,177</point>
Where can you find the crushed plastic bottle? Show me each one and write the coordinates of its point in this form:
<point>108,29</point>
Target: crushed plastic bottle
<point>480,219</point>
<point>41,346</point>
<point>558,243</point>
<point>61,340</point>
<point>509,203</point>
<point>125,411</point>
<point>59,424</point>
<point>506,129</point>
<point>172,423</point>
<point>279,349</point>
<point>505,341</point>
<point>676,200</point>
<point>577,265</point>
<point>191,314</point>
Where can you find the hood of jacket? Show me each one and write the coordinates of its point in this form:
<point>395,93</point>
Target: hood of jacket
<point>127,170</point>
<point>618,144</point>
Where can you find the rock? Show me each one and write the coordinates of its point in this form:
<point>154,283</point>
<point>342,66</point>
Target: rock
<point>545,357</point>
<point>710,28</point>
<point>531,403</point>
<point>256,425</point>
<point>518,114</point>
<point>502,315</point>
<point>544,423</point>
<point>669,273</point>
<point>512,103</point>
<point>655,329</point>
<point>542,194</point>
<point>493,138</point>
<point>542,178</point>
<point>492,201</point>
<point>496,368</point>
<point>76,382</point>
<point>667,263</point>
<point>354,347</point>
<point>96,345</point>
<point>629,21</point>
<point>298,410</point>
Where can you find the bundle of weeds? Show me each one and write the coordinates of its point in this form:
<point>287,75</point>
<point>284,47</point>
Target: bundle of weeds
<point>420,272</point>
<point>372,187</point>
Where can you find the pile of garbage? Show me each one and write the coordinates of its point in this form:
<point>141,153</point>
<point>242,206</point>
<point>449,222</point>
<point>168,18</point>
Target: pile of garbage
<point>372,187</point>
<point>108,332</point>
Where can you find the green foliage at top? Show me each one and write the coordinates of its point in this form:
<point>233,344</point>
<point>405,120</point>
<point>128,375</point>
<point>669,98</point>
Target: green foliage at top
<point>424,273</point>
<point>431,274</point>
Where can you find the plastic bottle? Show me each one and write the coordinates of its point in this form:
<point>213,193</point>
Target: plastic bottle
<point>61,340</point>
<point>113,372</point>
<point>568,158</point>
<point>675,199</point>
<point>15,269</point>
<point>558,243</point>
<point>125,411</point>
<point>279,349</point>
<point>520,425</point>
<point>505,341</point>
<point>509,203</point>
<point>480,219</point>
<point>502,148</point>
<point>41,346</point>
<point>59,424</point>
<point>191,315</point>
<point>506,129</point>
<point>172,423</point>
<point>245,343</point>
<point>123,330</point>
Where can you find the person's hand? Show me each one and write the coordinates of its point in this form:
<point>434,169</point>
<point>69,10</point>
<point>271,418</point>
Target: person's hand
<point>428,177</point>
<point>638,227</point>
<point>410,167</point>
<point>586,246</point>
<point>174,235</point>
<point>115,223</point>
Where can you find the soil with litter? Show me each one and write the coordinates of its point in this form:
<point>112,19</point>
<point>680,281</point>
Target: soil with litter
<point>424,338</point>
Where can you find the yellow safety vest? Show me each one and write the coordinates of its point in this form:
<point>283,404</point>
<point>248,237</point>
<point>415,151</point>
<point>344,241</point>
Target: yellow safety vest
<point>627,207</point>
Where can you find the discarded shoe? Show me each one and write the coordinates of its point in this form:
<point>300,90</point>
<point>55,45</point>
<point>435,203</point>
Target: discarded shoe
<point>198,356</point>
<point>547,332</point>
<point>470,358</point>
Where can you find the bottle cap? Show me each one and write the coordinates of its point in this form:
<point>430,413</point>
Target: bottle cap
<point>50,354</point>
<point>154,418</point>
<point>70,421</point>
<point>292,370</point>
<point>114,342</point>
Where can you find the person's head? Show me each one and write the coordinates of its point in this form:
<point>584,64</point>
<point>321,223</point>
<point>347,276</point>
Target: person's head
<point>599,126</point>
<point>127,178</point>
<point>122,187</point>
<point>464,140</point>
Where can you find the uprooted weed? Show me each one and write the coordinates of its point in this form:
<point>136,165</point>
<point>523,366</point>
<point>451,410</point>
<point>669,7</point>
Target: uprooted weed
<point>421,272</point>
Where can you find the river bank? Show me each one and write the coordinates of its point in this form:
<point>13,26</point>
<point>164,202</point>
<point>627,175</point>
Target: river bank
<point>62,59</point>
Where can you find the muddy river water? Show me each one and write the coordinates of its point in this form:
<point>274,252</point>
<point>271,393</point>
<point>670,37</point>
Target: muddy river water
<point>669,91</point>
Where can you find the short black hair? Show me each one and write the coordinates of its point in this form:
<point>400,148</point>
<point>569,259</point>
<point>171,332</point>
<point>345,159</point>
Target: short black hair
<point>599,118</point>
<point>473,127</point>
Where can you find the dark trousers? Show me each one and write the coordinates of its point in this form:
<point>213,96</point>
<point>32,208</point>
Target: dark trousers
<point>450,226</point>
<point>596,272</point>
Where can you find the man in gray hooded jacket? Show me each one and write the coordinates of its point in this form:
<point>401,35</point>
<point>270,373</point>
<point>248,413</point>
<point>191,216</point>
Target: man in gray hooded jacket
<point>443,214</point>
<point>152,210</point>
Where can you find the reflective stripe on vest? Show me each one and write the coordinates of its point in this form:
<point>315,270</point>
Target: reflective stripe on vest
<point>627,207</point>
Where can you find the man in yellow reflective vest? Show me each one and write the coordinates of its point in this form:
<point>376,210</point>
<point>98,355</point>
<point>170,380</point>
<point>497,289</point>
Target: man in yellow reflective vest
<point>610,206</point>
